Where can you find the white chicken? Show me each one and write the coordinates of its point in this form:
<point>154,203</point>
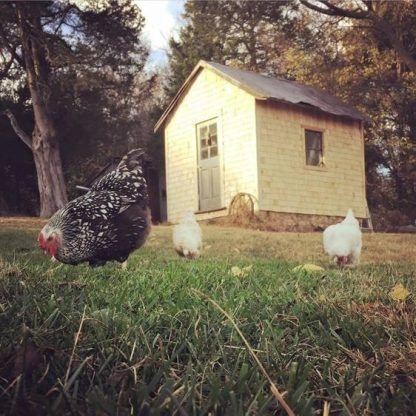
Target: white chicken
<point>343,241</point>
<point>187,237</point>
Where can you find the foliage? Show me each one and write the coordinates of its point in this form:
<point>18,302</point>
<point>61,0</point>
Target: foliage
<point>99,89</point>
<point>237,33</point>
<point>104,341</point>
<point>17,172</point>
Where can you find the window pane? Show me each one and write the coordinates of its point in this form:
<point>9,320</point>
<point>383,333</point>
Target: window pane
<point>204,154</point>
<point>213,139</point>
<point>203,132</point>
<point>312,157</point>
<point>313,147</point>
<point>313,139</point>
<point>214,151</point>
<point>213,129</point>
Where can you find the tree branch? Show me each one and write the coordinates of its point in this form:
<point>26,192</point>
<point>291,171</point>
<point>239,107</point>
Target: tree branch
<point>378,22</point>
<point>332,10</point>
<point>395,42</point>
<point>17,129</point>
<point>12,49</point>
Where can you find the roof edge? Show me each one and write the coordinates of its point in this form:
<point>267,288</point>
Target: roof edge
<point>177,96</point>
<point>259,95</point>
<point>362,117</point>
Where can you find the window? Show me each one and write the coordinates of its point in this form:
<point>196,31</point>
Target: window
<point>208,140</point>
<point>314,148</point>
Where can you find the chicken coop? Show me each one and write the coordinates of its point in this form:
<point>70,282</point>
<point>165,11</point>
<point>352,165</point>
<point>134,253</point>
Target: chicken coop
<point>296,151</point>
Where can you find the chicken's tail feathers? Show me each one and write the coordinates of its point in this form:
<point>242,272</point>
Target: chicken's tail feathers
<point>350,213</point>
<point>350,218</point>
<point>132,159</point>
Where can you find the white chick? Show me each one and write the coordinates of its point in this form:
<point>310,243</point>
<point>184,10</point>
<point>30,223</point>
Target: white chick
<point>187,238</point>
<point>343,241</point>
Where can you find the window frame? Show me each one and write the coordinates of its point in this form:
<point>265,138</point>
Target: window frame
<point>323,165</point>
<point>202,124</point>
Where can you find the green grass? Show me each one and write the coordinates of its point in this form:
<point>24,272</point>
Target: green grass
<point>106,341</point>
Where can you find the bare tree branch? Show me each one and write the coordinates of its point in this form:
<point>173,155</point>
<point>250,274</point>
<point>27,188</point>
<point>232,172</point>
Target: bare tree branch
<point>17,129</point>
<point>12,49</point>
<point>332,10</point>
<point>378,22</point>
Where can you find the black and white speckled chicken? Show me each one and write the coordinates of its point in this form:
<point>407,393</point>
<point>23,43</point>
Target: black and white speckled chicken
<point>107,223</point>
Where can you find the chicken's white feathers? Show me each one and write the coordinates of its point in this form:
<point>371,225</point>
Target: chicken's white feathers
<point>344,241</point>
<point>187,237</point>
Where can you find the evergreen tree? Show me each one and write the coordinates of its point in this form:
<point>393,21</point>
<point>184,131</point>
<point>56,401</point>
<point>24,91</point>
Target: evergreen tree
<point>238,33</point>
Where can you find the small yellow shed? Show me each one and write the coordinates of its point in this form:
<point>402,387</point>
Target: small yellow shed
<point>297,150</point>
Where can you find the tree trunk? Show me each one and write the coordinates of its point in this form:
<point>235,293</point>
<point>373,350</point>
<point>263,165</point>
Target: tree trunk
<point>44,144</point>
<point>48,164</point>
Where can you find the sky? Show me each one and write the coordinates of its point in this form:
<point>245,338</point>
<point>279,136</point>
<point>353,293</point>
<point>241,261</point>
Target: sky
<point>163,19</point>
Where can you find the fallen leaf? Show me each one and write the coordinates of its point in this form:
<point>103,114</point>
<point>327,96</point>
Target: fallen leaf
<point>399,292</point>
<point>308,267</point>
<point>236,250</point>
<point>207,247</point>
<point>238,272</point>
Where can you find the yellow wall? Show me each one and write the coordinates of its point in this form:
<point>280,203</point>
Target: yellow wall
<point>286,184</point>
<point>208,97</point>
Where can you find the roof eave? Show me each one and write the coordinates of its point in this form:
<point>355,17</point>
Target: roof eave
<point>360,117</point>
<point>257,94</point>
<point>177,96</point>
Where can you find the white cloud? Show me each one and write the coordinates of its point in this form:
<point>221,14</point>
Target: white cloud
<point>162,18</point>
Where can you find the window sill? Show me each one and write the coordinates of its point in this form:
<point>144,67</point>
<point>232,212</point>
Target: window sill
<point>316,168</point>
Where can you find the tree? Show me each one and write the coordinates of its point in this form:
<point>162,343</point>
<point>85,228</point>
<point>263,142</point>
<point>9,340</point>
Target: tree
<point>17,171</point>
<point>43,142</point>
<point>232,32</point>
<point>103,119</point>
<point>43,43</point>
<point>392,19</point>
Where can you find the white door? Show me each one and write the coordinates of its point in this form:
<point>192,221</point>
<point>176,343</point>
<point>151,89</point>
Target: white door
<point>208,166</point>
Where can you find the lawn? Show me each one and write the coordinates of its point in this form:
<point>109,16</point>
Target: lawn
<point>76,340</point>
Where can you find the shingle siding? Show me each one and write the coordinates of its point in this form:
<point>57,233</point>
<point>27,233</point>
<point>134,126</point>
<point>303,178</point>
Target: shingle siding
<point>286,184</point>
<point>207,98</point>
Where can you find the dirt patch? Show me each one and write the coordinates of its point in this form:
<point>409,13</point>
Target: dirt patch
<point>19,223</point>
<point>387,313</point>
<point>276,221</point>
<point>401,363</point>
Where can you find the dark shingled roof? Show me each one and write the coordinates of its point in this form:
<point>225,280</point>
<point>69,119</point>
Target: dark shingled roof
<point>267,88</point>
<point>287,91</point>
